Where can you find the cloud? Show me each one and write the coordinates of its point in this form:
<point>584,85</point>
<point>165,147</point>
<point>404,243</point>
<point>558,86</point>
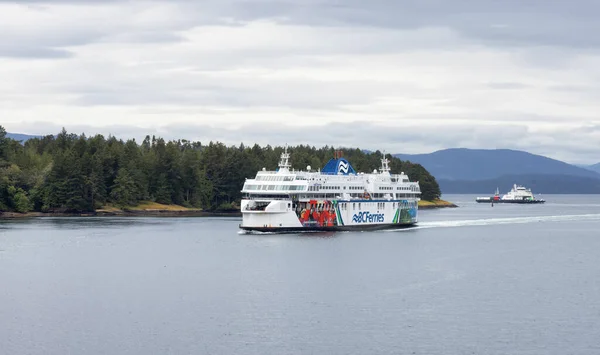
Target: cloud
<point>408,77</point>
<point>537,23</point>
<point>33,52</point>
<point>507,85</point>
<point>507,23</point>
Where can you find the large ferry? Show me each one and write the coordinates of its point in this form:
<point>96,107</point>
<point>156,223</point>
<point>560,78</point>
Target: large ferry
<point>332,199</point>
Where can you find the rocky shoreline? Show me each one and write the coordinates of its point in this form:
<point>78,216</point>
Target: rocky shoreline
<point>430,207</point>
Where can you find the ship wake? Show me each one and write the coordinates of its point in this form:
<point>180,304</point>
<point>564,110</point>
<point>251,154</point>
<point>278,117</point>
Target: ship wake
<point>509,220</point>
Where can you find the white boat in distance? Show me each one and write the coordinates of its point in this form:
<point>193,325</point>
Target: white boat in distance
<point>335,198</point>
<point>518,194</point>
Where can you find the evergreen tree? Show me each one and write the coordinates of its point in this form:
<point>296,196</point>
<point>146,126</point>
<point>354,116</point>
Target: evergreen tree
<point>21,201</point>
<point>123,192</point>
<point>4,142</point>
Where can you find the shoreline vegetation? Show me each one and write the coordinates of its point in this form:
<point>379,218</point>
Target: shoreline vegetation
<point>434,204</point>
<point>70,175</point>
<point>153,209</point>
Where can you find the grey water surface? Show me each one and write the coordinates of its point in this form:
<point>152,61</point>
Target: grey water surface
<point>508,279</point>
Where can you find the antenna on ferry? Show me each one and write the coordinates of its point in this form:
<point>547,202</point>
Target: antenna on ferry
<point>385,167</point>
<point>284,163</point>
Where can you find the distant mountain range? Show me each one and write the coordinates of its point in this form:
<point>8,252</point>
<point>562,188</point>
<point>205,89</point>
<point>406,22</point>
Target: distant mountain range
<point>461,170</point>
<point>545,184</point>
<point>595,167</point>
<point>21,137</point>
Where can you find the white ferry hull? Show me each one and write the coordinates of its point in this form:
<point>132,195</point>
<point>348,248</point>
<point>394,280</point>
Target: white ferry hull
<point>334,215</point>
<point>371,227</point>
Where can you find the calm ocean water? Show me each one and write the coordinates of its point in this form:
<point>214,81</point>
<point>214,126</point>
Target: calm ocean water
<point>478,279</point>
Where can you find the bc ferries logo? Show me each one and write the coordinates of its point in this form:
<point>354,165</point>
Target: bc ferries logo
<point>364,217</point>
<point>343,167</point>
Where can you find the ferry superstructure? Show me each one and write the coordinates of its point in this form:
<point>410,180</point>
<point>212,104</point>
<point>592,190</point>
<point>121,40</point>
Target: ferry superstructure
<point>332,199</point>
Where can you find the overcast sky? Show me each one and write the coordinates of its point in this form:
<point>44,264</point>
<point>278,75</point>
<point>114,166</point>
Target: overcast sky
<point>405,76</point>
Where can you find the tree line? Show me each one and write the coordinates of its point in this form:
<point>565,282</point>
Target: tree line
<point>74,173</point>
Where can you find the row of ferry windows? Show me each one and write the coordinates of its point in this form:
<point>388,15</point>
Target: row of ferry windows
<point>274,178</point>
<point>275,187</point>
<point>319,188</point>
<point>407,188</point>
<point>400,188</point>
<point>381,188</point>
<point>380,205</point>
<point>292,178</point>
<point>310,188</point>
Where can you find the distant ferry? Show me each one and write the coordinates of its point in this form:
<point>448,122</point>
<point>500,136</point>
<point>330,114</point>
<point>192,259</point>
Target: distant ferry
<point>518,194</point>
<point>333,199</point>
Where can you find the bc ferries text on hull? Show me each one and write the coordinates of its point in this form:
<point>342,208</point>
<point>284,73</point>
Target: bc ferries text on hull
<point>334,198</point>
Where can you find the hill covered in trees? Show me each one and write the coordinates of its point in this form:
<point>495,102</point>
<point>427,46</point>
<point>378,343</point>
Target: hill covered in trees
<point>485,164</point>
<point>75,173</point>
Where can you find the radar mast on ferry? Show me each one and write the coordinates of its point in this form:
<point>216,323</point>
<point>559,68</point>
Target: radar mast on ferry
<point>284,163</point>
<point>385,167</point>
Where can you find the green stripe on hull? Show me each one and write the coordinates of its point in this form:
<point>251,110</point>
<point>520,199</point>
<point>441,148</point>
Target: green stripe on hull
<point>396,216</point>
<point>338,215</point>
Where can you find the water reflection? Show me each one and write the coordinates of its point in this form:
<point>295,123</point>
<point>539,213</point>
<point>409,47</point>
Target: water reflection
<point>71,223</point>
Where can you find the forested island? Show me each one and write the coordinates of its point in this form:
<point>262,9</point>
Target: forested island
<point>70,173</point>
